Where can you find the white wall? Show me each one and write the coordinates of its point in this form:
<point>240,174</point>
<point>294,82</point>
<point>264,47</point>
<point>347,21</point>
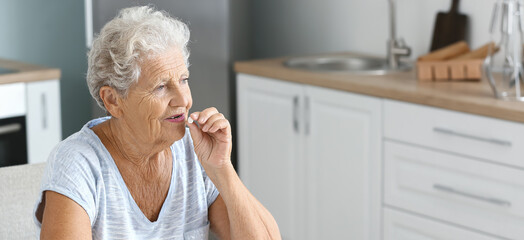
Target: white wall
<point>300,27</point>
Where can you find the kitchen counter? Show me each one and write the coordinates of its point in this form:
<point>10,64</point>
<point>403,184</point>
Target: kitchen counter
<point>470,97</point>
<point>26,72</point>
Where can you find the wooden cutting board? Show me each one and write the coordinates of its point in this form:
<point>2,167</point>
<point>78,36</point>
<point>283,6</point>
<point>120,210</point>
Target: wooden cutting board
<point>450,27</point>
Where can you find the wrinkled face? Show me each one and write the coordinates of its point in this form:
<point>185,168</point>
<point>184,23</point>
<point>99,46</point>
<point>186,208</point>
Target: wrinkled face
<point>156,108</point>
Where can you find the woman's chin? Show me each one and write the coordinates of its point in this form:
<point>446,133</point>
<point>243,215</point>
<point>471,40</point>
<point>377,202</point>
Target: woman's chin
<point>176,133</point>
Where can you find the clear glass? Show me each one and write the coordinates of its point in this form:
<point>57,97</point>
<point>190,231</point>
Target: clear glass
<point>503,65</point>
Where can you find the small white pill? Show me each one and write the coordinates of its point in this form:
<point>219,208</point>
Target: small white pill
<point>189,120</point>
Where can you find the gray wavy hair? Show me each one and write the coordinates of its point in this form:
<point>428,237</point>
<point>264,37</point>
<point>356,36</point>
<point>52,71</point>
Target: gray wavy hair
<point>136,34</point>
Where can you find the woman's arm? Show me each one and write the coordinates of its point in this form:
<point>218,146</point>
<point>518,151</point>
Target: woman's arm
<point>64,219</point>
<point>246,217</point>
<point>219,219</point>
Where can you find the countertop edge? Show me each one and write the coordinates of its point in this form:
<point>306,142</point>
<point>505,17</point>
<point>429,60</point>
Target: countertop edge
<point>26,72</point>
<point>493,108</point>
<point>31,76</point>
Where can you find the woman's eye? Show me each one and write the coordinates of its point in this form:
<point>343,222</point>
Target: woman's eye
<point>161,87</point>
<point>185,80</point>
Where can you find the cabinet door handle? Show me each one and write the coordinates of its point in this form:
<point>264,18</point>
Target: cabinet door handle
<point>10,128</point>
<point>307,118</point>
<point>295,113</point>
<point>44,110</point>
<point>473,137</point>
<point>472,196</point>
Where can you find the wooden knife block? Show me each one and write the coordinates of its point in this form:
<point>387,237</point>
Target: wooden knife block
<point>467,69</point>
<point>454,62</point>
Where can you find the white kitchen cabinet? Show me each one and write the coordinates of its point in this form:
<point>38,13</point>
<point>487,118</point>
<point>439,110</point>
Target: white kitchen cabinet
<point>312,157</point>
<point>12,100</point>
<point>39,102</point>
<point>458,168</point>
<point>269,157</point>
<point>455,189</point>
<point>404,226</point>
<point>43,121</point>
<point>342,146</point>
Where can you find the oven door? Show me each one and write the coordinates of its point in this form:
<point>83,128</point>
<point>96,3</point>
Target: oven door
<point>13,142</point>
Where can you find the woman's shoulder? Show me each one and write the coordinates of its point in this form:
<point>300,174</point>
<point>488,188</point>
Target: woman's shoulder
<point>81,149</point>
<point>74,170</point>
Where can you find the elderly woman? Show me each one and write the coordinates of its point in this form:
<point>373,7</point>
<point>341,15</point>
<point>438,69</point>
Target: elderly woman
<point>141,173</point>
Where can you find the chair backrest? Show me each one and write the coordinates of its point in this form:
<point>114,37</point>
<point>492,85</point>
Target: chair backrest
<point>19,188</point>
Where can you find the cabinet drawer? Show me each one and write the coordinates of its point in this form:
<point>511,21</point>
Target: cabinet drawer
<point>403,226</point>
<point>467,192</point>
<point>482,137</point>
<point>12,100</point>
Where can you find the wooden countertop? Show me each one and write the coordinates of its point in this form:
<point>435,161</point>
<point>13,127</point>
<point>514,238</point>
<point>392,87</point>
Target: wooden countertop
<point>26,72</point>
<point>469,97</point>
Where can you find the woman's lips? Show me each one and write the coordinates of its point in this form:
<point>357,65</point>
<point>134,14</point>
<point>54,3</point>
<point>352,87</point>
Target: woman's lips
<point>177,118</point>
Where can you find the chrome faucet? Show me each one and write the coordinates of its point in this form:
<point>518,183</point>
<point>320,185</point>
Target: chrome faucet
<point>396,47</point>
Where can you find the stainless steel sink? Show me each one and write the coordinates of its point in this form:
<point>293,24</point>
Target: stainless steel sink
<point>346,64</point>
<point>359,64</point>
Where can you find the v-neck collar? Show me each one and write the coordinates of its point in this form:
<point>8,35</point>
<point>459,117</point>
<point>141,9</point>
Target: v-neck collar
<point>136,209</point>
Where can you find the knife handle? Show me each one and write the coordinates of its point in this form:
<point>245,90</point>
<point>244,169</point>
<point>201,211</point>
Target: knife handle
<point>454,6</point>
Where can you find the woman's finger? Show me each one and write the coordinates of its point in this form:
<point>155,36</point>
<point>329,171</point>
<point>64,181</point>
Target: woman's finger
<point>219,125</point>
<point>212,119</point>
<point>204,115</point>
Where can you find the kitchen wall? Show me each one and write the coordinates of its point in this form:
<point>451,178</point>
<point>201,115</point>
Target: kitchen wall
<point>50,33</point>
<point>300,27</point>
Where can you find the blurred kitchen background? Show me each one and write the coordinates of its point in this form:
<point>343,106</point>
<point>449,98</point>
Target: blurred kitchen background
<point>57,34</point>
<point>52,33</point>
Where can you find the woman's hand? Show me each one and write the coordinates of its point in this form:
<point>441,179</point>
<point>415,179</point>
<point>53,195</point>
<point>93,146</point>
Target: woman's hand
<point>212,141</point>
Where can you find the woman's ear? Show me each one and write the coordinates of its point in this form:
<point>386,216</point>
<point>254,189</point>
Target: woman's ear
<point>111,100</point>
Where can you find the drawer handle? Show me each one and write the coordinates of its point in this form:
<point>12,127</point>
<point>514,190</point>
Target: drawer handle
<point>470,195</point>
<point>10,128</point>
<point>295,113</point>
<point>464,135</point>
<point>44,110</point>
<point>307,116</point>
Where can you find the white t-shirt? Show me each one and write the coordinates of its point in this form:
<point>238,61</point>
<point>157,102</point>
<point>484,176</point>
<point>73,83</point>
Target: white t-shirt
<point>81,168</point>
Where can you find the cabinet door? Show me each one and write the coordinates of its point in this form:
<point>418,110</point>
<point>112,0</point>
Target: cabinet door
<point>44,129</point>
<point>343,146</point>
<point>268,146</point>
<point>404,226</point>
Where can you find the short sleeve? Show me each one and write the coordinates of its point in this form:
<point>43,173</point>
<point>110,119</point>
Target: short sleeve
<point>71,172</point>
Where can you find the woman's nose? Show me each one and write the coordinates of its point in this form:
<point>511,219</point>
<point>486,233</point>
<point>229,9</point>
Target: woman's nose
<point>179,97</point>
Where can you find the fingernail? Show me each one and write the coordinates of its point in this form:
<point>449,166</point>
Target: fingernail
<point>189,119</point>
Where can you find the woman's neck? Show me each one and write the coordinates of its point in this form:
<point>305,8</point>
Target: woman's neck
<point>122,142</point>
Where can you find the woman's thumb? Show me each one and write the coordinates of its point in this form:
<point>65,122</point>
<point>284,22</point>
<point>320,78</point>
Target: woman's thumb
<point>196,133</point>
